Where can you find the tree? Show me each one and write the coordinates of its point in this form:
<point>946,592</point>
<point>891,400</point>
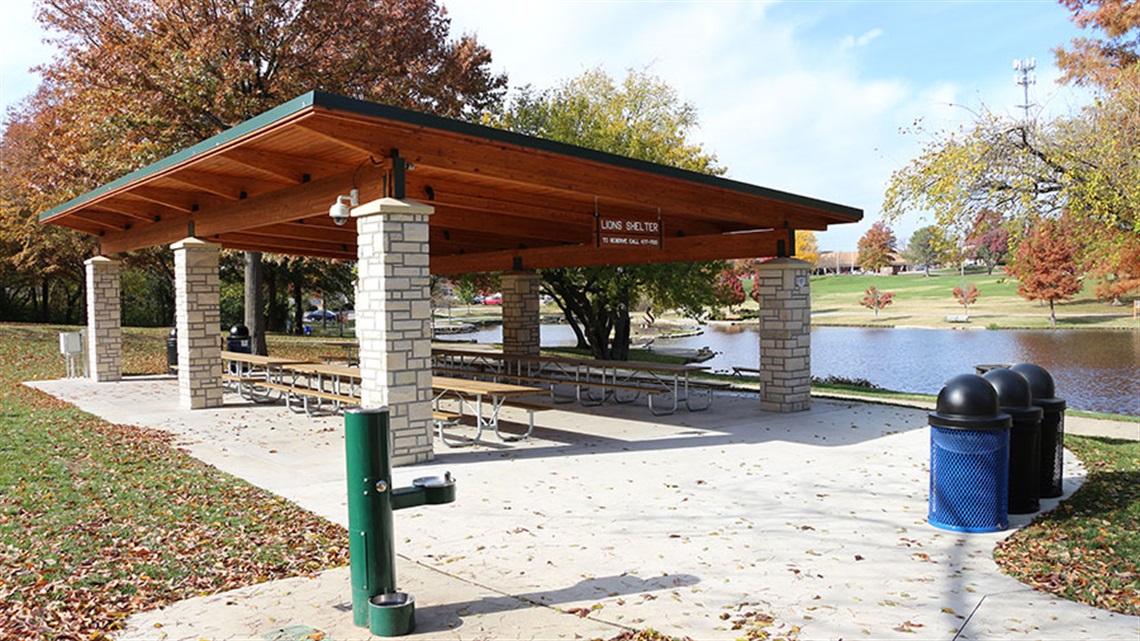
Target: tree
<point>1096,61</point>
<point>1045,265</point>
<point>641,117</point>
<point>988,240</point>
<point>807,247</point>
<point>876,300</point>
<point>1121,275</point>
<point>136,80</point>
<point>876,247</point>
<point>729,289</point>
<point>926,247</point>
<point>1084,163</point>
<point>966,297</point>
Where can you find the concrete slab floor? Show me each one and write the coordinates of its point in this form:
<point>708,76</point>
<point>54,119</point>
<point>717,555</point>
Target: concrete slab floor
<point>694,524</point>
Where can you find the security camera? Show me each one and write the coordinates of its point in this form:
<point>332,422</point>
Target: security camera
<point>340,211</point>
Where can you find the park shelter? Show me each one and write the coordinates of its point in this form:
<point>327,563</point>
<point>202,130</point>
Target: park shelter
<point>436,196</point>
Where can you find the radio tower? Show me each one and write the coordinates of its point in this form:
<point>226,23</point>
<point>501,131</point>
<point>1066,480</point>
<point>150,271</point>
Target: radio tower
<point>1024,76</point>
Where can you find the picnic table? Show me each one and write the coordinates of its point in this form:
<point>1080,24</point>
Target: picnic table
<point>315,388</point>
<point>257,378</point>
<point>591,382</point>
<point>470,395</point>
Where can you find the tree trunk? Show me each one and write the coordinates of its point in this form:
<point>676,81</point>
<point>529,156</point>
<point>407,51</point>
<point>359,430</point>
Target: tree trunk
<point>1052,314</point>
<point>45,309</point>
<point>298,305</point>
<point>255,303</point>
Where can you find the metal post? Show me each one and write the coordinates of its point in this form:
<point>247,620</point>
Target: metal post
<point>376,604</point>
<point>371,549</point>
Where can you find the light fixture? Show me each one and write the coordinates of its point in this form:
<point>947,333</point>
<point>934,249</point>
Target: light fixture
<point>340,210</point>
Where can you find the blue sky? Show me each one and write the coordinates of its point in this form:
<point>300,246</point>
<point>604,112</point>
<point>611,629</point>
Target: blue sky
<point>807,97</point>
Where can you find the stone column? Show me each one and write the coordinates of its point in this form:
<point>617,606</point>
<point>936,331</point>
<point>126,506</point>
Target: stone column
<point>785,335</point>
<point>197,315</point>
<point>520,313</point>
<point>393,321</point>
<point>104,320</point>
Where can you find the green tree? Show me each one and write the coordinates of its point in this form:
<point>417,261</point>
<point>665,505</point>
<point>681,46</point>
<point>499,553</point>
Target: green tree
<point>876,247</point>
<point>640,117</point>
<point>1045,265</point>
<point>926,247</point>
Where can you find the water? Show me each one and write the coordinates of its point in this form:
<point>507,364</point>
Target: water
<point>1096,371</point>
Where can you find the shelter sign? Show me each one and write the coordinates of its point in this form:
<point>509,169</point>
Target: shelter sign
<point>625,231</point>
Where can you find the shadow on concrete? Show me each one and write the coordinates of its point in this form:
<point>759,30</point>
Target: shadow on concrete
<point>828,424</point>
<point>444,617</point>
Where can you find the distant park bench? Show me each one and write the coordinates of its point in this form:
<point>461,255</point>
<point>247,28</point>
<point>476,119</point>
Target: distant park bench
<point>957,318</point>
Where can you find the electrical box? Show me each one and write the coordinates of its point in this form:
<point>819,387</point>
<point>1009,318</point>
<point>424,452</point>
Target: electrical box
<point>71,343</point>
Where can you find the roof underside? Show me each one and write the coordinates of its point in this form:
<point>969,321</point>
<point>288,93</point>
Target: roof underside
<point>502,201</point>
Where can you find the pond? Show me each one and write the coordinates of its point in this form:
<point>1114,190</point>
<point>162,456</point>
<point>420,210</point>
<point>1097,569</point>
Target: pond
<point>1093,370</point>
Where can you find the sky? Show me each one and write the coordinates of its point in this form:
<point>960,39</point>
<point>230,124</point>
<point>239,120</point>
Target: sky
<point>807,97</point>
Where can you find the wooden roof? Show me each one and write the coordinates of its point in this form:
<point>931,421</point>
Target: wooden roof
<point>502,200</point>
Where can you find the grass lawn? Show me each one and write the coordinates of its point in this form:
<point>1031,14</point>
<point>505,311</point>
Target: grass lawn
<point>1088,549</point>
<point>98,521</point>
<point>927,301</point>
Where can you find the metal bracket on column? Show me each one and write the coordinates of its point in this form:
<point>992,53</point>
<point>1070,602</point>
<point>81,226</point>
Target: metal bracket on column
<point>399,172</point>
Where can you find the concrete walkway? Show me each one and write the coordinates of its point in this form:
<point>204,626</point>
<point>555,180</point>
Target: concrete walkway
<point>698,524</point>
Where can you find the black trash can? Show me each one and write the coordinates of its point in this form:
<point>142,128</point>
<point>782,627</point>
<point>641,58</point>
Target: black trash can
<point>239,340</point>
<point>172,351</point>
<point>969,458</point>
<point>1016,399</point>
<point>1052,428</point>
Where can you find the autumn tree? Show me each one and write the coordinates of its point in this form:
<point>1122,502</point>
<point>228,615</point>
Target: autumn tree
<point>1097,61</point>
<point>876,247</point>
<point>136,80</point>
<point>1045,265</point>
<point>926,247</point>
<point>639,117</point>
<point>807,247</point>
<point>988,239</point>
<point>730,289</point>
<point>966,296</point>
<point>876,300</point>
<point>1029,171</point>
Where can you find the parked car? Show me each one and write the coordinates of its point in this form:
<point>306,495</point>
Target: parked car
<point>318,315</point>
<point>493,299</point>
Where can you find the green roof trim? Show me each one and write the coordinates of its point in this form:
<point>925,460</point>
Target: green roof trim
<point>377,110</point>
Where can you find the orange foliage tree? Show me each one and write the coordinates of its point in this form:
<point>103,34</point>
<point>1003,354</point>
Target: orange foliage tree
<point>966,297</point>
<point>876,300</point>
<point>876,247</point>
<point>1045,265</point>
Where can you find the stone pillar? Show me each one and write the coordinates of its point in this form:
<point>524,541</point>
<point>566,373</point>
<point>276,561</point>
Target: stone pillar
<point>104,320</point>
<point>393,321</point>
<point>197,315</point>
<point>520,313</point>
<point>785,335</point>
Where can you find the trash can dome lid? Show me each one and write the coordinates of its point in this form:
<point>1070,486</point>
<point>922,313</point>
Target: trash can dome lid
<point>1012,389</point>
<point>1040,381</point>
<point>239,330</point>
<point>968,401</point>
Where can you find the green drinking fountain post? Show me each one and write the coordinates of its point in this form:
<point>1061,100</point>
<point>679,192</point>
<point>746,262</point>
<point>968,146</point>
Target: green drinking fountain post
<point>376,604</point>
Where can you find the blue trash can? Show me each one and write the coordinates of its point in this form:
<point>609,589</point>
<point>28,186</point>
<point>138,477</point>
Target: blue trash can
<point>969,458</point>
